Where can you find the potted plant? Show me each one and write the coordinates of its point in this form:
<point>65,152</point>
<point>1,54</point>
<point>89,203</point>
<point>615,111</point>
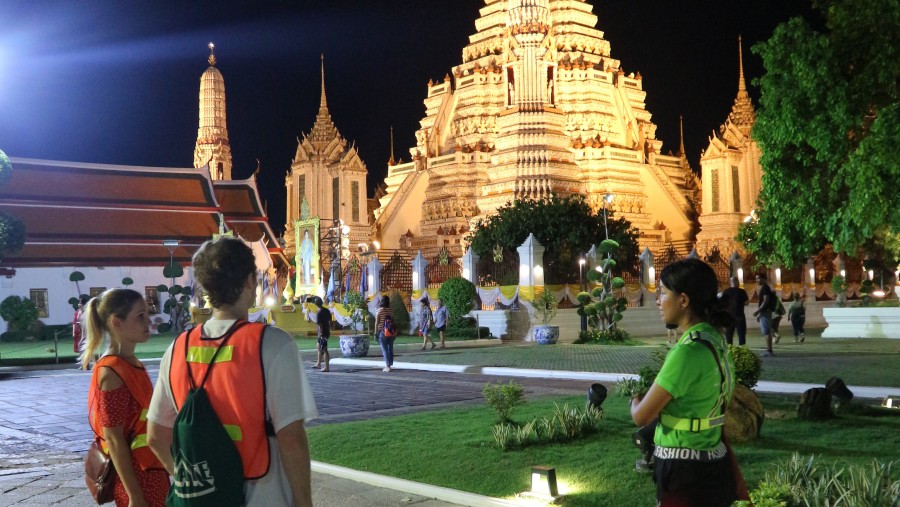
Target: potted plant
<point>355,344</point>
<point>839,286</point>
<point>544,311</point>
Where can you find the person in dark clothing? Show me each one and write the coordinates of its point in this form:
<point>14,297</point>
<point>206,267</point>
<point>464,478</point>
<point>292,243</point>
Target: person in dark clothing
<point>764,312</point>
<point>734,299</point>
<point>323,325</point>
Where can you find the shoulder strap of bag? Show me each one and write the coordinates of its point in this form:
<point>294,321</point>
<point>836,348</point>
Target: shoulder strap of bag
<point>700,424</point>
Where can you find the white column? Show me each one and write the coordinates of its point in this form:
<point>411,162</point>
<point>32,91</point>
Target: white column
<point>374,275</point>
<point>469,263</point>
<point>418,265</point>
<point>531,263</point>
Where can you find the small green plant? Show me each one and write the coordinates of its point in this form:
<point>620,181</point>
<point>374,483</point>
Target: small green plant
<point>356,305</point>
<point>613,335</point>
<point>503,398</point>
<point>565,424</point>
<point>545,307</point>
<point>458,295</point>
<point>19,312</point>
<point>747,366</point>
<point>839,286</point>
<point>631,387</point>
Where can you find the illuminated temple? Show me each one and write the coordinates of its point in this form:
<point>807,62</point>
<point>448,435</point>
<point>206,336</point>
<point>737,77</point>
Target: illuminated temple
<point>539,105</point>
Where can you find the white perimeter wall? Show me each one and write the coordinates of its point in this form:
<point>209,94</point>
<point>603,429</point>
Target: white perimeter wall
<point>59,289</point>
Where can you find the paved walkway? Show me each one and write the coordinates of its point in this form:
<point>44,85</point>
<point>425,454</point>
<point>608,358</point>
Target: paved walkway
<point>44,432</point>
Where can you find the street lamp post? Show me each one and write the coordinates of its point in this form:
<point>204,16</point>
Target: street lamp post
<point>171,244</point>
<point>580,271</point>
<point>608,198</point>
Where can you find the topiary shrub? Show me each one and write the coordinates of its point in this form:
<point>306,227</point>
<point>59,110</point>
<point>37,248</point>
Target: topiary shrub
<point>458,295</point>
<point>19,312</point>
<point>401,314</point>
<point>503,398</point>
<point>747,366</point>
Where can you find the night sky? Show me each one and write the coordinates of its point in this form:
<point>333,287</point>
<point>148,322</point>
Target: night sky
<point>117,82</point>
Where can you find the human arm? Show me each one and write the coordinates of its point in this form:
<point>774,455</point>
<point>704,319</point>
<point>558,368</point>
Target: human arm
<point>159,438</point>
<point>294,450</point>
<point>117,442</point>
<point>645,409</point>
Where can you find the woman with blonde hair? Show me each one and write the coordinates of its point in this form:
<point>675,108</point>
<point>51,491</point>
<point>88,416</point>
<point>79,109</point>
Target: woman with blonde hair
<point>119,395</point>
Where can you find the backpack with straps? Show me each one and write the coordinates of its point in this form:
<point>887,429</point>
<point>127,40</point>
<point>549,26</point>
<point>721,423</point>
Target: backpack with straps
<point>208,467</point>
<point>390,329</point>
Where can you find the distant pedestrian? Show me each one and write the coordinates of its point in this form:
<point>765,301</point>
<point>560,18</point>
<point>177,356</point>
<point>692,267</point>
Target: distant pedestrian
<point>426,324</point>
<point>763,312</point>
<point>120,394</point>
<point>777,313</point>
<point>797,317</point>
<point>441,316</point>
<point>77,325</point>
<point>323,325</point>
<point>386,342</point>
<point>735,299</point>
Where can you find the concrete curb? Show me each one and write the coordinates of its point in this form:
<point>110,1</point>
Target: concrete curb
<point>869,392</point>
<point>414,488</point>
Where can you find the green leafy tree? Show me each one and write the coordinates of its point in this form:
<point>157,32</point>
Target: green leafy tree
<point>5,168</point>
<point>77,276</point>
<point>178,304</point>
<point>19,312</point>
<point>458,295</point>
<point>828,126</point>
<point>12,234</point>
<point>565,226</point>
<point>603,313</point>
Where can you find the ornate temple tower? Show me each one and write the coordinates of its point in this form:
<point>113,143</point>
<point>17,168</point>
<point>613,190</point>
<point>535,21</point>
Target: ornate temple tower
<point>212,147</point>
<point>538,106</point>
<point>331,176</point>
<point>732,175</point>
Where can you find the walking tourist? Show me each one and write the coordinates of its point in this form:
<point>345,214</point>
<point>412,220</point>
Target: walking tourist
<point>691,393</point>
<point>777,313</point>
<point>763,312</point>
<point>120,392</point>
<point>735,299</point>
<point>384,314</point>
<point>427,322</point>
<point>256,388</point>
<point>441,316</point>
<point>77,326</point>
<point>323,326</point>
<point>796,314</point>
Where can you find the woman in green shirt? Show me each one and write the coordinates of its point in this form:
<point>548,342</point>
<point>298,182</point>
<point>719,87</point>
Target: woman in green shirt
<point>691,392</point>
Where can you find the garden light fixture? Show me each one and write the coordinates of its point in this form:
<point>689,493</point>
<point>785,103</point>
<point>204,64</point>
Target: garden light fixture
<point>891,402</point>
<point>543,483</point>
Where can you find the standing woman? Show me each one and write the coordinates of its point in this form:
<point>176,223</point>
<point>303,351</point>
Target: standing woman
<point>387,342</point>
<point>427,321</point>
<point>119,395</point>
<point>797,316</point>
<point>690,393</point>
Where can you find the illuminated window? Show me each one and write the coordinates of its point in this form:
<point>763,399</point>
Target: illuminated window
<point>715,190</point>
<point>39,298</point>
<point>736,188</point>
<point>354,189</point>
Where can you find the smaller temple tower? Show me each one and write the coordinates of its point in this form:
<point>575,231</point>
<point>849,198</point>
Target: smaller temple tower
<point>329,173</point>
<point>213,148</point>
<point>732,175</point>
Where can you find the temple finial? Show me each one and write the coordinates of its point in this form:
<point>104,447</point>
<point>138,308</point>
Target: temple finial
<point>391,161</point>
<point>212,54</point>
<point>741,85</point>
<point>323,104</point>
<point>681,135</point>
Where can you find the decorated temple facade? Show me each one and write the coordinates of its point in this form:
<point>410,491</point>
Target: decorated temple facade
<point>537,106</point>
<point>213,149</point>
<point>327,180</point>
<point>732,176</point>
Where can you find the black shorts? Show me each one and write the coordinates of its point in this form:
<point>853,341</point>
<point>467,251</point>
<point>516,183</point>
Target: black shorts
<point>441,329</point>
<point>323,343</point>
<point>686,482</point>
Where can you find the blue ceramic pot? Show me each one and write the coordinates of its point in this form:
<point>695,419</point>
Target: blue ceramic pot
<point>355,345</point>
<point>546,335</point>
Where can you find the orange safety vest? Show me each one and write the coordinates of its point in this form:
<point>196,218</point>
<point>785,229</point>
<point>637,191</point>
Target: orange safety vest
<point>138,384</point>
<point>236,387</point>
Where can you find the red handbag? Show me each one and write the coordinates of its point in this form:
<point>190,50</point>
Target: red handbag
<point>99,473</point>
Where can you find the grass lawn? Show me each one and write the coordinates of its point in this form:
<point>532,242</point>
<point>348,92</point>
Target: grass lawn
<point>454,448</point>
<point>41,352</point>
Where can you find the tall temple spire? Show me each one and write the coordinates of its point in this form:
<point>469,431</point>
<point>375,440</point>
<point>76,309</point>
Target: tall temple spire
<point>680,135</point>
<point>213,148</point>
<point>742,113</point>
<point>323,103</point>
<point>391,161</point>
